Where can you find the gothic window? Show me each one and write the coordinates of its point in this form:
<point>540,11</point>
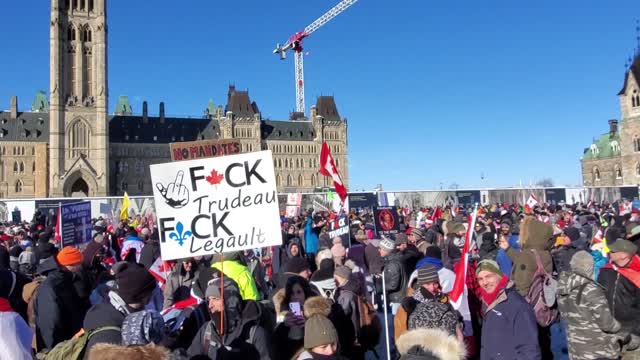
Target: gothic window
<point>86,34</point>
<point>636,143</point>
<point>289,180</point>
<point>615,146</point>
<point>596,174</point>
<point>21,167</point>
<point>139,167</point>
<point>79,139</point>
<point>337,164</point>
<point>635,99</point>
<point>33,151</point>
<point>594,150</point>
<point>300,181</point>
<point>618,172</point>
<point>66,4</point>
<point>278,180</point>
<point>71,33</point>
<point>124,186</point>
<point>19,186</point>
<point>81,4</point>
<point>140,185</point>
<point>637,169</point>
<point>75,4</point>
<point>313,180</point>
<point>90,7</point>
<point>15,167</point>
<point>123,167</point>
<point>33,167</point>
<point>298,163</point>
<point>22,150</point>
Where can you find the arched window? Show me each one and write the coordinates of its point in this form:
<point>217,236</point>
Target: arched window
<point>22,167</point>
<point>278,180</point>
<point>75,4</point>
<point>15,167</point>
<point>19,186</point>
<point>86,34</point>
<point>79,139</point>
<point>33,167</point>
<point>33,151</point>
<point>289,180</point>
<point>22,150</point>
<point>81,4</point>
<point>71,33</point>
<point>300,180</point>
<point>596,174</point>
<point>90,7</point>
<point>313,180</point>
<point>124,186</point>
<point>618,172</point>
<point>635,98</point>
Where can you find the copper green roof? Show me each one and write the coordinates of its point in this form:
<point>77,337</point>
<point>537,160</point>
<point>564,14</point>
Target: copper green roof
<point>40,102</point>
<point>604,146</point>
<point>123,107</point>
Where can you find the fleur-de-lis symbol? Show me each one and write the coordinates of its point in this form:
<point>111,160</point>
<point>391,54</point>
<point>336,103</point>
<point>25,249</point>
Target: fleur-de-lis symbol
<point>178,235</point>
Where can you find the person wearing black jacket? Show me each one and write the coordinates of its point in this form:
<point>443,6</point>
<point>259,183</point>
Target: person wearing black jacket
<point>395,274</point>
<point>58,308</point>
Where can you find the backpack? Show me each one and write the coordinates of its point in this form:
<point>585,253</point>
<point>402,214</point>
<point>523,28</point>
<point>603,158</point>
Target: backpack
<point>29,292</point>
<point>370,327</point>
<point>545,311</point>
<point>74,348</point>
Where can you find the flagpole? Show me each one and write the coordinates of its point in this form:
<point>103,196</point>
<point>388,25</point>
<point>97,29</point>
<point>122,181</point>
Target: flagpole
<point>386,317</point>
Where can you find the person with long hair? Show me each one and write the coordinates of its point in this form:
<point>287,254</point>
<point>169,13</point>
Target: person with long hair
<point>289,333</point>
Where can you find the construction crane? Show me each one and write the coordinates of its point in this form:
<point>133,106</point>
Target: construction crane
<point>295,43</point>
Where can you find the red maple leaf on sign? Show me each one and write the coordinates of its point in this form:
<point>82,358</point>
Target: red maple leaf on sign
<point>214,178</point>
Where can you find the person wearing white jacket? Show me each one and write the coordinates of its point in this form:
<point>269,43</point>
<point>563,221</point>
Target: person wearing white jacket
<point>15,335</point>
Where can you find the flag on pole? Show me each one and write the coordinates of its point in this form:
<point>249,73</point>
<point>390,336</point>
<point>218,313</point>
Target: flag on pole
<point>124,210</point>
<point>150,220</point>
<point>58,233</point>
<point>159,271</point>
<point>328,168</point>
<point>531,203</point>
<point>437,214</point>
<point>455,296</point>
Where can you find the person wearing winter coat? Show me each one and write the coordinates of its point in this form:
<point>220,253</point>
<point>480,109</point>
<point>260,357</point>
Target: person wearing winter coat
<point>583,306</point>
<point>567,245</point>
<point>233,268</point>
<point>57,305</point>
<point>433,256</point>
<point>320,340</point>
<point>395,275</point>
<point>430,344</point>
<point>179,282</point>
<point>15,333</point>
<point>534,235</point>
<point>509,328</point>
<point>489,248</point>
<point>347,295</point>
<point>234,331</point>
<point>514,242</point>
<point>621,280</point>
<point>134,286</point>
<point>131,246</point>
<point>27,261</point>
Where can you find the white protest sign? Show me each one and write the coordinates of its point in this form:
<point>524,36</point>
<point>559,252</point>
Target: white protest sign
<point>216,205</point>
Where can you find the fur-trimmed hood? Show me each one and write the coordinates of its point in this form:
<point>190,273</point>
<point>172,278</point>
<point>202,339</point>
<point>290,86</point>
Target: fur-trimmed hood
<point>113,352</point>
<point>430,344</point>
<point>317,305</point>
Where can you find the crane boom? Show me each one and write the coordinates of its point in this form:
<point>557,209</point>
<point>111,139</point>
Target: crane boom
<point>295,43</point>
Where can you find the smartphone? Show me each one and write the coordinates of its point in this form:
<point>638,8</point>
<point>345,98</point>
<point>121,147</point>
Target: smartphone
<point>295,308</point>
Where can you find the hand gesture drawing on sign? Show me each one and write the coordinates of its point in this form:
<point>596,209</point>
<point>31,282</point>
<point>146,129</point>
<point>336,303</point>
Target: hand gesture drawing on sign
<point>175,194</point>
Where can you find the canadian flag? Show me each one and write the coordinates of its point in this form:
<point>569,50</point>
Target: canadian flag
<point>58,233</point>
<point>159,270</point>
<point>531,203</point>
<point>455,296</point>
<point>598,237</point>
<point>437,214</point>
<point>328,168</point>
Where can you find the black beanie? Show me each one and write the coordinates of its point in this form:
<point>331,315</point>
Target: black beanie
<point>488,237</point>
<point>296,265</point>
<point>134,282</point>
<point>433,252</point>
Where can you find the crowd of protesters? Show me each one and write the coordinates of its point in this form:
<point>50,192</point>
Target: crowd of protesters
<point>551,282</point>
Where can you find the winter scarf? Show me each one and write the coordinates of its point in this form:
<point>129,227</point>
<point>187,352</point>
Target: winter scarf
<point>488,298</point>
<point>631,272</point>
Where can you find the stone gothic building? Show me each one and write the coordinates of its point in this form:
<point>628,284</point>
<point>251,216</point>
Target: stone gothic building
<point>613,158</point>
<point>69,145</point>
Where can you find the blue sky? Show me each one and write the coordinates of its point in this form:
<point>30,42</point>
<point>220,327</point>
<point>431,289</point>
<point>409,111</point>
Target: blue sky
<point>434,91</point>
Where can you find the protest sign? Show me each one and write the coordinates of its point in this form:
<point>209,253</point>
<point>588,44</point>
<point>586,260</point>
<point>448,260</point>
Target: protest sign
<point>191,150</point>
<point>216,205</point>
<point>292,211</point>
<point>294,199</point>
<point>387,220</point>
<point>76,223</point>
<point>340,228</point>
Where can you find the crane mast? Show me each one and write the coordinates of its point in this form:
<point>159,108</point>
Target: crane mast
<point>295,44</point>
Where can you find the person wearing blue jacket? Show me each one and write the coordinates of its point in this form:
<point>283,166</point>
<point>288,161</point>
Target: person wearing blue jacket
<point>509,328</point>
<point>502,259</point>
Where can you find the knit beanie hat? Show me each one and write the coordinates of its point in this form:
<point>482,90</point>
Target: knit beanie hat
<point>69,255</point>
<point>489,265</point>
<point>572,232</point>
<point>387,244</point>
<point>433,252</point>
<point>417,233</point>
<point>296,265</point>
<point>426,274</point>
<point>134,282</point>
<point>401,238</point>
<point>343,271</point>
<point>318,331</point>
<point>143,327</point>
<point>582,264</point>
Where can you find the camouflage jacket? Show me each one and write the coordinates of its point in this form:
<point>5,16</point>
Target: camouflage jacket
<point>591,329</point>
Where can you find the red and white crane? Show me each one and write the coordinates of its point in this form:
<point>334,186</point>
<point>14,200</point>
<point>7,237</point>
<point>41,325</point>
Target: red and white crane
<point>295,43</point>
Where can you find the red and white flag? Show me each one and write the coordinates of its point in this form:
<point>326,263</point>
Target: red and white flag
<point>159,270</point>
<point>455,296</point>
<point>58,231</point>
<point>437,214</point>
<point>531,203</point>
<point>328,168</point>
<point>598,237</point>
